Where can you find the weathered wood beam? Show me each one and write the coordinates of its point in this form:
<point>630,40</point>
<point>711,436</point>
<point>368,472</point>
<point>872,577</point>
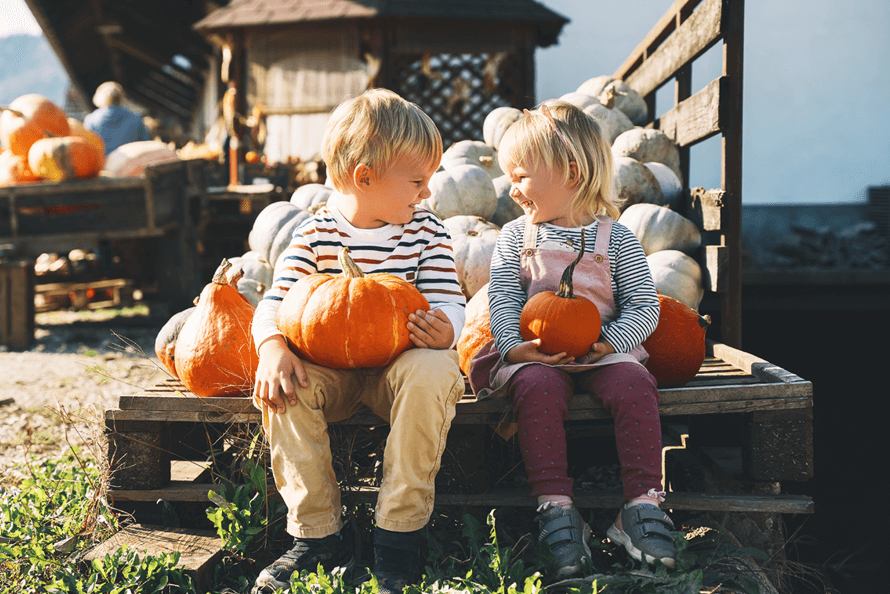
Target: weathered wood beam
<point>691,39</point>
<point>699,117</point>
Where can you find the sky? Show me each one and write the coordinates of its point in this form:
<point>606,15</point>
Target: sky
<point>816,88</point>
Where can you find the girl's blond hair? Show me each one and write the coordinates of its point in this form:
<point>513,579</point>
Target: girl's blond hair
<point>531,141</point>
<point>377,128</point>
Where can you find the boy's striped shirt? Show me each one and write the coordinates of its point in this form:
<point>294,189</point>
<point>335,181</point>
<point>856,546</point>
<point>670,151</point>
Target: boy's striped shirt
<point>419,252</point>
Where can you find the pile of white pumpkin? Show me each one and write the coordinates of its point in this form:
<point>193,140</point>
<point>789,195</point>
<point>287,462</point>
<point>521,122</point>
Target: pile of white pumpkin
<point>470,194</point>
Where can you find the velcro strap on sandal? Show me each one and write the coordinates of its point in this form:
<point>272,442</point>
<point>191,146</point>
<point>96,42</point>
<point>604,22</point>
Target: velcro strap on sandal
<point>558,530</point>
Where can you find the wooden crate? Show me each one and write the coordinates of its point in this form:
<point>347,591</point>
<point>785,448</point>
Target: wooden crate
<point>142,443</point>
<point>16,304</point>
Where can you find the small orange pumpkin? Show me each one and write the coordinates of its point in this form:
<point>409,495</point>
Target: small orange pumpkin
<point>14,170</point>
<point>165,343</point>
<point>69,157</point>
<point>78,129</point>
<point>677,346</point>
<point>349,321</point>
<point>251,157</point>
<point>564,322</point>
<point>477,328</point>
<point>215,354</point>
<point>28,119</point>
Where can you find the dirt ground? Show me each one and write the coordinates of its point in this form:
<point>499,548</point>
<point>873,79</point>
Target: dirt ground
<point>54,395</point>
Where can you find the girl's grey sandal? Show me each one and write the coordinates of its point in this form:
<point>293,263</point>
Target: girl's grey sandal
<point>646,534</point>
<point>566,533</point>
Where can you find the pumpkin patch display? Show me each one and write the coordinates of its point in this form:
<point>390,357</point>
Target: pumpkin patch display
<point>647,145</point>
<point>634,183</point>
<point>476,331</point>
<point>165,343</point>
<point>461,190</point>
<point>563,321</point>
<point>507,210</point>
<point>677,275</point>
<point>68,157</point>
<point>131,159</point>
<point>659,228</point>
<point>612,122</point>
<point>28,119</point>
<point>677,345</point>
<point>215,354</point>
<point>496,123</point>
<point>472,152</point>
<point>78,129</point>
<point>350,320</point>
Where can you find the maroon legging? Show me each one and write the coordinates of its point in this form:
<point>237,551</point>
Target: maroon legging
<point>540,399</point>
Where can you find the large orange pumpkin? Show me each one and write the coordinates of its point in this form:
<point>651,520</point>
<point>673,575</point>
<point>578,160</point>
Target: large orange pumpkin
<point>349,321</point>
<point>14,170</point>
<point>28,119</point>
<point>215,354</point>
<point>69,157</point>
<point>563,321</point>
<point>677,346</point>
<point>477,328</point>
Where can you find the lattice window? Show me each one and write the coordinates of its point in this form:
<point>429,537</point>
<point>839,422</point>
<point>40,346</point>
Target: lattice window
<point>458,90</point>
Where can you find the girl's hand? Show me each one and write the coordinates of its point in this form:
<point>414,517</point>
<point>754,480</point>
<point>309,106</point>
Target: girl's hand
<point>275,374</point>
<point>598,351</point>
<point>527,352</point>
<point>430,329</point>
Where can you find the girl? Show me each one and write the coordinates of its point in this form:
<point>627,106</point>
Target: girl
<point>560,168</point>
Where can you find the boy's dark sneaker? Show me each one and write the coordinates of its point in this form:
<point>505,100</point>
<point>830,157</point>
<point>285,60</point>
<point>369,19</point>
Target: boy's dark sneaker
<point>331,552</point>
<point>397,559</point>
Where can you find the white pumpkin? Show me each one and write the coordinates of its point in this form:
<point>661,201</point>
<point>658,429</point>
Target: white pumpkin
<point>496,123</point>
<point>461,190</point>
<point>612,122</point>
<point>659,228</point>
<point>677,275</point>
<point>267,225</point>
<point>253,266</point>
<point>670,184</point>
<point>252,290</point>
<point>473,240</point>
<point>285,234</point>
<point>594,86</point>
<point>646,145</point>
<point>310,195</point>
<point>634,183</point>
<point>625,99</point>
<point>472,152</point>
<point>507,210</point>
<point>580,100</point>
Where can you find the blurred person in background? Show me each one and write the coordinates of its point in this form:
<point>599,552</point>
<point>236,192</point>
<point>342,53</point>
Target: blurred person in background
<point>112,121</point>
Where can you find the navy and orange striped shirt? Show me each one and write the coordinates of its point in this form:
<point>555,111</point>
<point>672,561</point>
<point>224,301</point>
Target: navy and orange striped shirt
<point>419,252</point>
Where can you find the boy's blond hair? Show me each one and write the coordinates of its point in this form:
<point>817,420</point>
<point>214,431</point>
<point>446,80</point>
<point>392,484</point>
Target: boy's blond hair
<point>377,128</point>
<point>531,141</point>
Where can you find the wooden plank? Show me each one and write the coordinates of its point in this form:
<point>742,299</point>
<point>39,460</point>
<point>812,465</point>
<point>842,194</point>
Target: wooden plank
<point>691,39</point>
<point>756,366</point>
<point>17,304</point>
<point>714,263</point>
<point>706,208</point>
<point>180,491</point>
<point>117,415</point>
<point>199,550</point>
<point>698,117</point>
<point>89,185</point>
<point>668,22</point>
<point>187,402</point>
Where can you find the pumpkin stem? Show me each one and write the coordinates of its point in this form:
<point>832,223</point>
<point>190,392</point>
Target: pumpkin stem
<point>704,321</point>
<point>565,284</point>
<point>14,112</point>
<point>219,277</point>
<point>608,97</point>
<point>347,264</point>
<point>236,275</point>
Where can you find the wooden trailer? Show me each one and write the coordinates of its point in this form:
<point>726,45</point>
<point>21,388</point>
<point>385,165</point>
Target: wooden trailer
<point>151,217</point>
<point>762,414</point>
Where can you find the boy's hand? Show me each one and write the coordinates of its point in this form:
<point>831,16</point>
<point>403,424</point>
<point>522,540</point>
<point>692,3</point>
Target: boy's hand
<point>274,377</point>
<point>598,351</point>
<point>526,352</point>
<point>430,329</point>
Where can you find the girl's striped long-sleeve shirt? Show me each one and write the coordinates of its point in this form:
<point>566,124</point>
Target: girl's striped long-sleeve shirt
<point>632,286</point>
<point>419,252</point>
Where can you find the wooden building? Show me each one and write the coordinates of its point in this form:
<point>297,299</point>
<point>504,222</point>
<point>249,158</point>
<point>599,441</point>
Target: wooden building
<point>457,59</point>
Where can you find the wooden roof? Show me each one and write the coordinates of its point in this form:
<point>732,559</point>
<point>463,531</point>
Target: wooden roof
<point>263,13</point>
<point>149,47</point>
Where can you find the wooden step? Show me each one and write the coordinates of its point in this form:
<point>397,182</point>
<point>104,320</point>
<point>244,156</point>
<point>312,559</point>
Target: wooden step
<point>199,549</point>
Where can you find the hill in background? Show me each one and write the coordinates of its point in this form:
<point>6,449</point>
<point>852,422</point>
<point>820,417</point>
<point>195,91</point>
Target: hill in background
<point>28,64</point>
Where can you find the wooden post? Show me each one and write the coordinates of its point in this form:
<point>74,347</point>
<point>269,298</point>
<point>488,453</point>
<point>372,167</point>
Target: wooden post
<point>17,304</point>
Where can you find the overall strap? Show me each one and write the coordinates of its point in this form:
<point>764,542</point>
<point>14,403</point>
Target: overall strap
<point>530,239</point>
<point>603,234</point>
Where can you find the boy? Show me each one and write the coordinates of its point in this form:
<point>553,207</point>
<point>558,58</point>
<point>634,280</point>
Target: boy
<point>380,151</point>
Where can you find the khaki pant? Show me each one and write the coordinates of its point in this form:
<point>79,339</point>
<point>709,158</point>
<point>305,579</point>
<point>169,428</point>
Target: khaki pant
<point>416,395</point>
